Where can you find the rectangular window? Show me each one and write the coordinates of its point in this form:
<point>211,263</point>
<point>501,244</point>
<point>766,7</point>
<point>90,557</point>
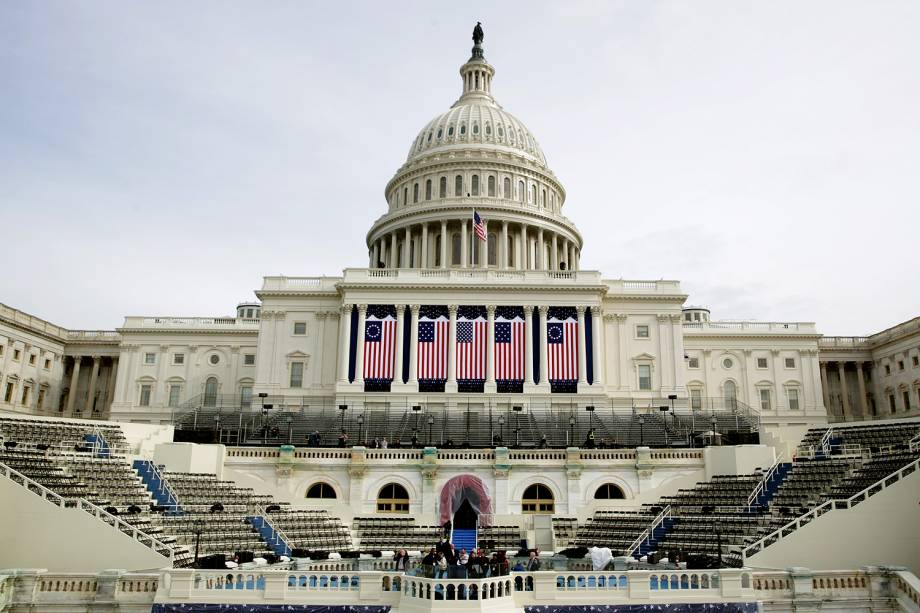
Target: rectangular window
<point>696,399</point>
<point>150,358</point>
<point>891,405</point>
<point>174,391</point>
<point>246,397</point>
<point>8,395</point>
<point>296,374</point>
<point>300,327</point>
<point>32,359</point>
<point>145,396</point>
<point>41,399</point>
<point>887,369</point>
<point>915,361</point>
<point>764,400</point>
<point>25,395</point>
<point>906,400</point>
<point>900,364</point>
<point>249,359</point>
<point>645,377</point>
<point>694,362</point>
<point>761,362</point>
<point>47,364</point>
<point>1,349</point>
<point>793,395</point>
<point>790,362</point>
<point>178,358</point>
<point>16,354</point>
<point>641,331</point>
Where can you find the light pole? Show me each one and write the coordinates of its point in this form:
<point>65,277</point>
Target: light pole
<point>571,430</point>
<point>501,429</point>
<point>430,426</point>
<point>290,425</point>
<point>198,527</point>
<point>517,425</point>
<point>361,429</point>
<point>714,421</point>
<point>641,430</point>
<point>343,408</point>
<point>664,409</point>
<point>217,426</point>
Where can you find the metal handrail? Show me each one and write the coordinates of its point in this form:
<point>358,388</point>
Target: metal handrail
<point>646,535</point>
<point>85,505</point>
<point>914,443</point>
<point>279,533</point>
<point>766,479</point>
<point>164,484</point>
<point>828,505</point>
<point>826,440</point>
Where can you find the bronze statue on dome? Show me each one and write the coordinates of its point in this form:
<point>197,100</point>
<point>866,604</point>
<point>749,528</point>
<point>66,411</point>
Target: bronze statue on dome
<point>478,34</point>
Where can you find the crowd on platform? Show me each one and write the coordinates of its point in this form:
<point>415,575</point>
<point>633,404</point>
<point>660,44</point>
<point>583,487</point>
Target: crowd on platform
<point>445,561</point>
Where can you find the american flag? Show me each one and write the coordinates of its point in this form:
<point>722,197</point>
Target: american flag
<point>562,344</point>
<point>472,328</point>
<point>509,344</point>
<point>379,342</point>
<point>433,331</point>
<point>478,226</point>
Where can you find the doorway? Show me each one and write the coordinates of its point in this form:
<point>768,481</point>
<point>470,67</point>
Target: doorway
<point>465,517</point>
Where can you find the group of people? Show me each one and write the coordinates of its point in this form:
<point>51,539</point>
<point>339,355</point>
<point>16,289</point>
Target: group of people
<point>445,561</point>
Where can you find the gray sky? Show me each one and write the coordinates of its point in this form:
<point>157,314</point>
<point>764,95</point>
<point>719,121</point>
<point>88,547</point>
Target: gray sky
<point>159,158</point>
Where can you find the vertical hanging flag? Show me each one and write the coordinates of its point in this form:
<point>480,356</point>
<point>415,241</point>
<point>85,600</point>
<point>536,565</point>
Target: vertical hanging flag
<point>471,343</point>
<point>433,331</point>
<point>562,345</point>
<point>509,344</point>
<point>478,226</point>
<point>379,343</point>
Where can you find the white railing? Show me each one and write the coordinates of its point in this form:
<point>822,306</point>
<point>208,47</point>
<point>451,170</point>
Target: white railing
<point>279,533</point>
<point>191,322</point>
<point>646,535</point>
<point>164,485</point>
<point>826,441</point>
<point>914,443</point>
<point>758,326</point>
<point>84,505</point>
<point>765,480</point>
<point>828,506</point>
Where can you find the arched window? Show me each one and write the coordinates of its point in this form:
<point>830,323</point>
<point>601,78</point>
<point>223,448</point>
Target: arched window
<point>462,129</point>
<point>491,186</point>
<point>506,185</point>
<point>476,127</point>
<point>442,188</point>
<point>440,132</point>
<point>393,498</point>
<point>538,499</point>
<point>405,199</point>
<point>544,199</point>
<point>501,132</point>
<point>415,193</point>
<point>210,392</point>
<point>475,185</point>
<point>609,491</point>
<point>730,394</point>
<point>533,194</point>
<point>428,189</point>
<point>455,249</point>
<point>521,191</point>
<point>493,249</point>
<point>450,131</point>
<point>321,490</point>
<point>458,186</point>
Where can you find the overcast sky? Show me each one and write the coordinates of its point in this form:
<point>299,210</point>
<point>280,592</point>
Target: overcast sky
<point>159,158</point>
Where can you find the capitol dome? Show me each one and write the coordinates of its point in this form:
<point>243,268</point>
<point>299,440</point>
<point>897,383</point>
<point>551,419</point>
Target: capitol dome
<point>475,158</point>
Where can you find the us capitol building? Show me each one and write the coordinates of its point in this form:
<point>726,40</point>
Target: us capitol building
<point>454,314</point>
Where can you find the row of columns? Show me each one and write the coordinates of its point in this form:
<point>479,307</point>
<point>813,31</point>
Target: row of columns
<point>109,391</point>
<point>841,371</point>
<point>345,343</point>
<point>388,251</point>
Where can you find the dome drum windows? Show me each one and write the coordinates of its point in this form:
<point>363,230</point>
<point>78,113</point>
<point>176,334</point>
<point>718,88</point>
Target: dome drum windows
<point>415,193</point>
<point>458,186</point>
<point>428,189</point>
<point>475,185</point>
<point>506,188</point>
<point>491,186</point>
<point>442,187</point>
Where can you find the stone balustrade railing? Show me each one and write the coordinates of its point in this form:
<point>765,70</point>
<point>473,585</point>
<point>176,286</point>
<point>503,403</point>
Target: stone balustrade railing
<point>877,588</point>
<point>751,326</point>
<point>196,323</point>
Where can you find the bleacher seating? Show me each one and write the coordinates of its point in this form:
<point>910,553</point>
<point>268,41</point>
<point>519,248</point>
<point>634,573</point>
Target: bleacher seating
<point>312,530</point>
<point>392,533</point>
<point>197,492</point>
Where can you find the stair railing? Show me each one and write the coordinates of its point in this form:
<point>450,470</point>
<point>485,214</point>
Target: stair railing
<point>826,441</point>
<point>830,505</point>
<point>84,505</point>
<point>279,533</point>
<point>768,476</point>
<point>646,535</point>
<point>914,443</point>
<point>164,485</point>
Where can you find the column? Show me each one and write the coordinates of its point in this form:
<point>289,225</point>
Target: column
<point>677,352</point>
<point>344,332</point>
<point>626,382</point>
<point>565,254</point>
<point>451,350</point>
<point>464,245</point>
<point>372,263</point>
<point>861,380</point>
<point>394,253</point>
<point>528,345</point>
<point>74,379</point>
<point>597,345</point>
<point>443,245</point>
<point>413,346</point>
<point>664,374</point>
<point>398,357</point>
<point>541,251</point>
<point>582,350</point>
<point>544,366</point>
<point>845,397</point>
<point>110,385</point>
<point>503,252</point>
<point>407,248</point>
<point>524,250</point>
<point>572,264</point>
<point>824,390</point>
<point>576,252</point>
<point>490,349</point>
<point>359,347</point>
<point>93,376</point>
<point>423,260</point>
<point>554,254</point>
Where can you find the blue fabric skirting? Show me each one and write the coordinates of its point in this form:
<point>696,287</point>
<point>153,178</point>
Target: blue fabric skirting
<point>265,608</point>
<point>720,607</point>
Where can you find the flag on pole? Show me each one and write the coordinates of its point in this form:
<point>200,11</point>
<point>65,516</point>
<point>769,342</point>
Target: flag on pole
<point>562,344</point>
<point>433,332</point>
<point>471,343</point>
<point>379,342</point>
<point>509,344</point>
<point>478,226</point>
